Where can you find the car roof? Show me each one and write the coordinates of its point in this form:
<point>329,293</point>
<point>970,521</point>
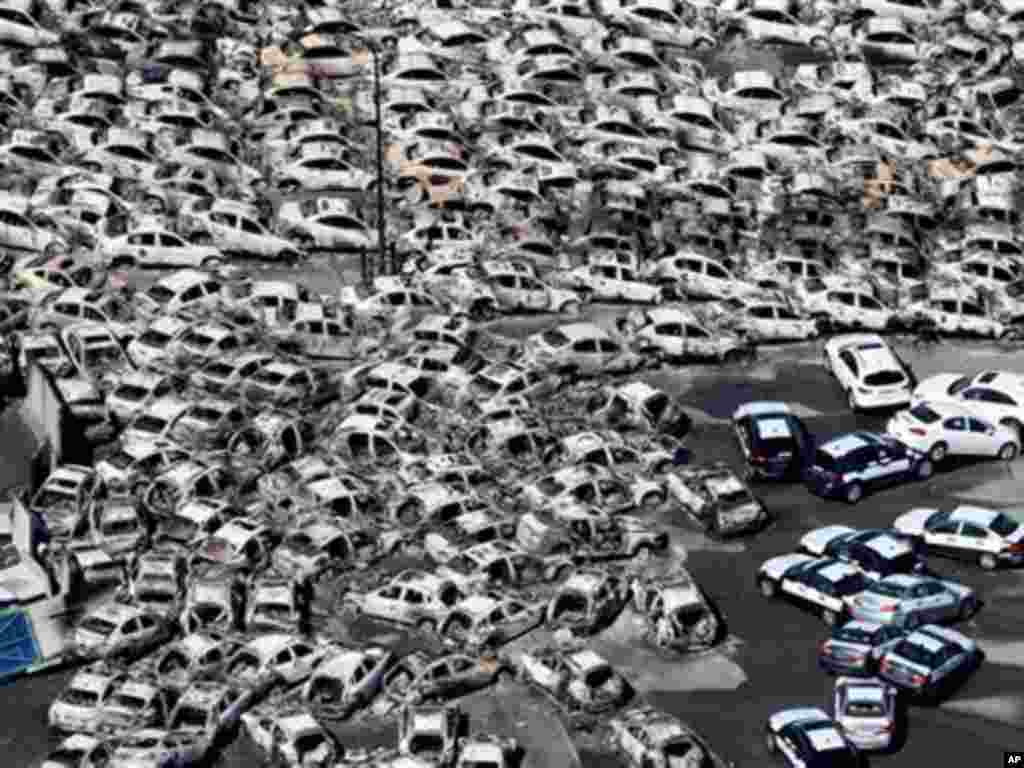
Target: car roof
<point>888,546</point>
<point>846,444</point>
<point>977,515</point>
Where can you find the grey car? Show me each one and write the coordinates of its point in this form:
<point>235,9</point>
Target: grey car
<point>911,601</point>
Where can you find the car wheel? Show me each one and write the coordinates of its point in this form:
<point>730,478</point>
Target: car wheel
<point>768,588</point>
<point>968,608</point>
<point>988,561</point>
<point>426,625</point>
<point>571,308</point>
<point>1012,424</point>
<point>854,493</point>
<point>1008,452</point>
<point>938,452</point>
<point>651,501</point>
<point>925,470</point>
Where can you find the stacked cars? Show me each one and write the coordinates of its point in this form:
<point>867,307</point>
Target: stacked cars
<point>267,456</point>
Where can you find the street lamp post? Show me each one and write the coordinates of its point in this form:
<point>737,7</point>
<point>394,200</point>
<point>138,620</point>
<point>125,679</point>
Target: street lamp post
<point>378,119</point>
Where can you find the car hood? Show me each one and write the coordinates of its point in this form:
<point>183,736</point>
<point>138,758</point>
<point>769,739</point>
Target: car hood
<point>936,387</point>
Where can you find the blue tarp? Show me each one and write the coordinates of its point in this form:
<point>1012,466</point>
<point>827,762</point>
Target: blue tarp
<point>18,647</point>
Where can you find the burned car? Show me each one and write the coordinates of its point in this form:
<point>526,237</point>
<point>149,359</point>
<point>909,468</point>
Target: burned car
<point>321,548</point>
<point>196,656</point>
<point>718,499</point>
<point>276,603</point>
<point>639,406</point>
<point>210,709</point>
<point>454,675</point>
<point>135,704</point>
<point>119,632</point>
<point>431,732</point>
<point>243,544</point>
<point>589,534</point>
<point>215,600</point>
<point>580,681</point>
<point>676,613</point>
<point>77,708</point>
<point>650,738</point>
<point>347,681</point>
<point>413,597</point>
<point>156,582</point>
<point>502,563</point>
<point>588,601</point>
<point>479,526</point>
<point>193,521</point>
<point>491,619</point>
<point>292,738</point>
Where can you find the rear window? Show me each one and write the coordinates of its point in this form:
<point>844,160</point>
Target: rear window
<point>555,338</point>
<point>884,378</point>
<point>825,460</point>
<point>924,414</point>
<point>888,590</point>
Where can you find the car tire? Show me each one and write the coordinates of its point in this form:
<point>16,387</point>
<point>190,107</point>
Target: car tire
<point>1008,452</point>
<point>988,561</point>
<point>571,309</point>
<point>651,501</point>
<point>968,608</point>
<point>924,470</point>
<point>938,453</point>
<point>854,493</point>
<point>768,588</point>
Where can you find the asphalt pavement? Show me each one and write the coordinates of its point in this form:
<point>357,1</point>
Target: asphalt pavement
<point>768,661</point>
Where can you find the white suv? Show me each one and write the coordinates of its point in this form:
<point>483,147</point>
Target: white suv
<point>869,371</point>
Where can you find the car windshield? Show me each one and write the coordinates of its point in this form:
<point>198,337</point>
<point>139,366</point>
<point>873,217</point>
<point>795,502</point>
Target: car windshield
<point>128,701</point>
<point>189,717</point>
<point>147,423</point>
<point>1003,525</point>
<point>120,460</point>
<point>120,527</point>
<point>848,585</point>
<point>154,338</point>
<point>161,294</point>
<point>924,414</point>
<point>884,378</point>
<point>555,338</point>
<point>915,654</point>
<point>97,625</point>
<point>131,392</point>
<point>463,564</point>
<point>76,697</point>
<point>105,354</point>
<point>886,589</point>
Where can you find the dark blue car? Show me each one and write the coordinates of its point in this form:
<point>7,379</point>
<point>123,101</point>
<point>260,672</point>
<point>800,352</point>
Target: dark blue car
<point>774,442</point>
<point>850,465</point>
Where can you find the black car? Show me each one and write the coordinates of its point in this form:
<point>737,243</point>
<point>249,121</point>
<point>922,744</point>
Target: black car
<point>849,465</point>
<point>774,442</point>
<point>878,552</point>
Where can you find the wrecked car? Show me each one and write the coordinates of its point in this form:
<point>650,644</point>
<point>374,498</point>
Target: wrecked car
<point>580,681</point>
<point>215,600</point>
<point>271,660</point>
<point>77,708</point>
<point>210,709</point>
<point>321,548</point>
<point>276,604</point>
<point>292,738</point>
<point>242,544</point>
<point>500,563</point>
<point>650,738</point>
<point>639,406</point>
<point>588,601</point>
<point>676,613</point>
<point>491,620</point>
<point>413,597</point>
<point>135,704</point>
<point>156,582</point>
<point>431,732</point>
<point>118,632</point>
<point>196,656</point>
<point>718,499</point>
<point>347,681</point>
<point>591,534</point>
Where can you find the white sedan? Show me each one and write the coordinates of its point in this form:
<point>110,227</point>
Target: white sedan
<point>940,429</point>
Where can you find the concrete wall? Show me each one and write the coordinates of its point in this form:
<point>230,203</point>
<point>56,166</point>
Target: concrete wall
<point>45,414</point>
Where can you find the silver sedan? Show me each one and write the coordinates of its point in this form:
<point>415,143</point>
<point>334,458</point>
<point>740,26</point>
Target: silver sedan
<point>911,601</point>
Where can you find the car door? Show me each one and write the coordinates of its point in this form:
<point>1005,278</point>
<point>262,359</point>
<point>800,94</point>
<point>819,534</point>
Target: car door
<point>944,539</point>
<point>981,438</point>
<point>172,250</point>
<point>954,432</point>
<point>698,342</point>
<point>847,371</point>
<point>670,338</point>
<point>533,294</point>
<point>871,313</point>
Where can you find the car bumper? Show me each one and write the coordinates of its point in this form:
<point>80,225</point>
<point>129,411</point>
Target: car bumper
<point>869,741</point>
<point>877,617</point>
<point>893,400</point>
<point>918,443</point>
